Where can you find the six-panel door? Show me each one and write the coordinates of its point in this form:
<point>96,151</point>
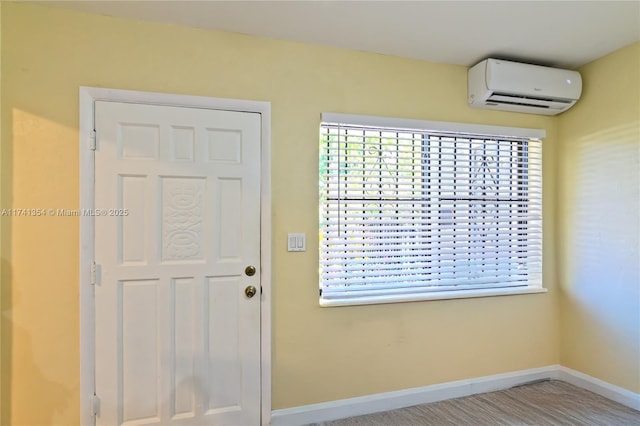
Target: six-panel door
<point>177,222</point>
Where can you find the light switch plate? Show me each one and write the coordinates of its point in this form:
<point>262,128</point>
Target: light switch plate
<point>296,242</point>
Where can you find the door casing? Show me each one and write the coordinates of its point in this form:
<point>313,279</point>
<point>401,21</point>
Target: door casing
<point>88,96</point>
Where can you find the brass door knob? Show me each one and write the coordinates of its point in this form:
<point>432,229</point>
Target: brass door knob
<point>250,270</point>
<point>250,291</point>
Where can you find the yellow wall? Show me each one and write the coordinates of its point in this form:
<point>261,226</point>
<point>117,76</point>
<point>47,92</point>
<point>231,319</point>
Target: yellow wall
<point>319,354</point>
<point>1,258</point>
<point>599,222</point>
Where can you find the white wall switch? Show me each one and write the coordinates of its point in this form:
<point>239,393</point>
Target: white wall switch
<point>296,242</point>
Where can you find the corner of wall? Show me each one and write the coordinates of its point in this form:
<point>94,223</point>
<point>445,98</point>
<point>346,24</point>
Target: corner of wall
<point>598,206</point>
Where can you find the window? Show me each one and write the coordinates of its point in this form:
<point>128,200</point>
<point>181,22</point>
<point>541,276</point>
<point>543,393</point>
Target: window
<point>413,210</point>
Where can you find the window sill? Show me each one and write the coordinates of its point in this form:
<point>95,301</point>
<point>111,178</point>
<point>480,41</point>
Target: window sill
<point>443,295</point>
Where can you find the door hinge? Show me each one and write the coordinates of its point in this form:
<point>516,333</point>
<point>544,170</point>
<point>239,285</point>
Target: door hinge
<point>95,405</point>
<point>95,274</point>
<point>92,140</point>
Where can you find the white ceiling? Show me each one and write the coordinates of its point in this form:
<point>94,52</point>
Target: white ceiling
<point>556,33</point>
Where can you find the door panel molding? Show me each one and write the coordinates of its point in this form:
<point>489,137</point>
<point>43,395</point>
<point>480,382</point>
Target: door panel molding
<point>88,97</point>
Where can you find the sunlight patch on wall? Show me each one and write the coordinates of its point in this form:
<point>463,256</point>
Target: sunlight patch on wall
<point>605,218</point>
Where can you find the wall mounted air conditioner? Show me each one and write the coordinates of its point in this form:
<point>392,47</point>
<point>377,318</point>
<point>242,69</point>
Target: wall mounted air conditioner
<point>514,86</point>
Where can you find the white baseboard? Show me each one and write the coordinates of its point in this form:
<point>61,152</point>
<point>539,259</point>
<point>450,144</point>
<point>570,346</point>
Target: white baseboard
<point>369,404</point>
<point>612,392</point>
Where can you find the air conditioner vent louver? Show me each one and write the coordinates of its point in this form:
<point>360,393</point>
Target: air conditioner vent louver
<point>513,86</point>
<point>495,102</point>
<point>535,98</point>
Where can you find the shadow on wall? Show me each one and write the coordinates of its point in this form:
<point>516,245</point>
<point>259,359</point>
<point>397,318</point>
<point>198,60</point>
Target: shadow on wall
<point>602,273</point>
<point>48,398</point>
<point>6,332</point>
<point>39,400</point>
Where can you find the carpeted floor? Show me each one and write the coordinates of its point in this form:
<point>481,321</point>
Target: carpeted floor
<point>544,403</point>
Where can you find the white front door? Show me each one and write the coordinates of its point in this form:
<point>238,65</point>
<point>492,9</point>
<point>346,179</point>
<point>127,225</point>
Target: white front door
<point>177,230</point>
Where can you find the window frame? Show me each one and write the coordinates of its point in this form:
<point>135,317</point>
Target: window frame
<point>428,127</point>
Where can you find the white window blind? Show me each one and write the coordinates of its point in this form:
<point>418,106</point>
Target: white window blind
<point>410,211</point>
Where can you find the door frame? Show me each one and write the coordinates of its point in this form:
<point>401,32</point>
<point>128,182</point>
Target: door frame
<point>88,96</point>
